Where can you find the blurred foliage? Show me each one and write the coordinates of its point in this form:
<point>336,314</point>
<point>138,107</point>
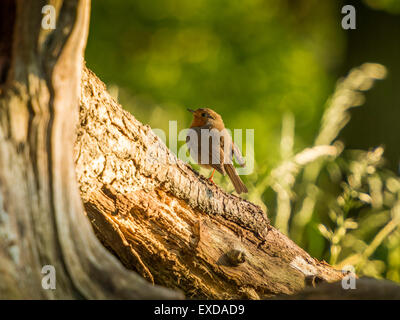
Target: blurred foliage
<point>267,65</point>
<point>168,55</point>
<point>347,196</point>
<point>392,6</point>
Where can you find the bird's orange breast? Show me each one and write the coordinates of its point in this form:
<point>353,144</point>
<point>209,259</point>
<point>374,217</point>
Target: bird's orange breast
<point>198,122</point>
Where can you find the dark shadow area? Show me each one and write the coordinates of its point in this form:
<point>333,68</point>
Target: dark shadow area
<point>377,121</point>
<point>7,20</point>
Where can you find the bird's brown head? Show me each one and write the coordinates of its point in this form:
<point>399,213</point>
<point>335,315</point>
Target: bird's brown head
<point>206,116</point>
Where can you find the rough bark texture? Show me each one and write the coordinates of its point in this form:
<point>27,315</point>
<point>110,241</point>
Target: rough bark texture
<point>158,216</point>
<point>41,214</point>
<point>171,225</point>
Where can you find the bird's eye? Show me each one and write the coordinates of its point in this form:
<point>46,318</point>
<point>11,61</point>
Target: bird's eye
<point>203,114</point>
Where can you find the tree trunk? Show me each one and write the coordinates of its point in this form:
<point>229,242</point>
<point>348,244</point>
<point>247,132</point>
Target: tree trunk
<point>171,225</point>
<point>158,216</point>
<point>41,215</point>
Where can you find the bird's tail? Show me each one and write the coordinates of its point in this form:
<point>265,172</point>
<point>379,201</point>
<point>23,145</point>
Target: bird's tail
<point>236,181</point>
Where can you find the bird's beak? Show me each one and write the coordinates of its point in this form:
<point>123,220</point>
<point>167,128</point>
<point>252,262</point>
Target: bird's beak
<point>190,110</point>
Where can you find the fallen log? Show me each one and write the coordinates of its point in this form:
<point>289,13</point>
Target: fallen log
<point>170,224</point>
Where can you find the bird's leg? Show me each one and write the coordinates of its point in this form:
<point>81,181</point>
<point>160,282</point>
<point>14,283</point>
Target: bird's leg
<point>211,177</point>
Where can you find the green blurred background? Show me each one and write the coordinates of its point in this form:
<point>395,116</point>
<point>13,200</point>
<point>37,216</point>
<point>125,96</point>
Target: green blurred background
<point>257,62</point>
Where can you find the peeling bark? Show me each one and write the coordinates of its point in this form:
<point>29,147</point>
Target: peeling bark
<point>171,225</point>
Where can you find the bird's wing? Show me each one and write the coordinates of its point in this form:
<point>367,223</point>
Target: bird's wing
<point>234,150</point>
<point>208,155</point>
<point>216,151</point>
<point>238,155</point>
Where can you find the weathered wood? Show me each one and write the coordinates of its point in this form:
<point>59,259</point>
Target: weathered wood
<point>159,218</point>
<point>171,225</point>
<point>41,214</point>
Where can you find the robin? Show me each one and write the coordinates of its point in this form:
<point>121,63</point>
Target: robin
<point>211,146</point>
